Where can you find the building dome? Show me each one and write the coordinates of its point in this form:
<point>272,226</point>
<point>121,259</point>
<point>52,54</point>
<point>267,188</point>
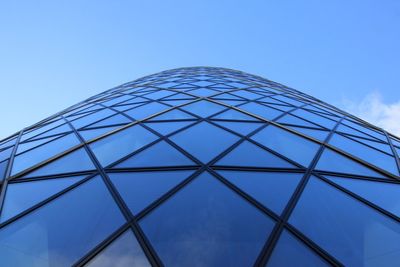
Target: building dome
<point>200,167</point>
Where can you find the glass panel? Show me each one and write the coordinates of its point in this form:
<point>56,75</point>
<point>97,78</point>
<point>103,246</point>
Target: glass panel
<point>120,144</point>
<point>3,169</point>
<point>75,161</point>
<point>140,189</point>
<point>125,251</point>
<point>158,155</point>
<point>203,108</point>
<point>272,189</point>
<point>261,110</point>
<point>243,128</point>
<point>334,162</point>
<point>203,92</point>
<point>174,114</point>
<point>385,195</point>
<point>210,226</point>
<point>142,112</point>
<point>327,123</point>
<point>289,145</point>
<point>289,251</point>
<point>204,140</point>
<point>349,230</point>
<point>113,120</point>
<point>5,154</point>
<point>21,196</point>
<point>246,94</point>
<point>250,155</point>
<point>59,130</point>
<point>22,147</point>
<point>41,237</point>
<point>98,115</point>
<point>93,133</point>
<point>232,114</point>
<point>41,153</point>
<point>165,128</point>
<point>317,134</point>
<point>365,153</point>
<point>289,119</point>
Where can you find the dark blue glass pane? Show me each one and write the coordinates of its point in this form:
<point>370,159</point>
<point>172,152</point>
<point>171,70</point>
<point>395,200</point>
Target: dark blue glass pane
<point>203,108</point>
<point>44,152</point>
<point>232,114</point>
<point>98,115</point>
<point>158,155</point>
<point>243,128</point>
<point>250,155</point>
<point>334,162</point>
<point>125,251</point>
<point>90,134</point>
<point>287,144</point>
<point>210,226</point>
<point>261,110</point>
<point>5,154</point>
<point>166,128</point>
<point>3,169</point>
<point>62,231</point>
<point>272,189</point>
<point>289,251</point>
<point>113,120</point>
<point>317,134</point>
<point>144,111</point>
<point>122,143</point>
<point>204,141</point>
<point>75,161</point>
<point>140,189</point>
<point>289,119</point>
<point>21,196</point>
<point>22,147</point>
<point>365,153</point>
<point>327,123</point>
<point>174,114</point>
<point>385,195</point>
<point>349,230</point>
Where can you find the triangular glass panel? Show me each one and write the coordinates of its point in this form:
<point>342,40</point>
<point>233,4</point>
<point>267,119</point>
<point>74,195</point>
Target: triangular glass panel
<point>378,145</point>
<point>89,134</point>
<point>3,168</point>
<point>42,236</point>
<point>232,114</point>
<point>250,155</point>
<point>93,117</point>
<point>352,232</point>
<point>231,102</point>
<point>325,122</point>
<point>287,144</point>
<point>193,140</point>
<point>21,196</point>
<point>120,144</point>
<point>175,103</point>
<point>113,120</point>
<point>5,154</point>
<point>290,119</point>
<point>174,114</point>
<point>373,192</point>
<point>123,252</point>
<point>22,147</point>
<point>39,154</point>
<point>315,133</point>
<point>289,251</point>
<point>365,153</point>
<point>334,162</point>
<point>261,110</point>
<point>246,94</point>
<point>166,128</point>
<point>272,189</point>
<point>75,161</point>
<point>228,96</point>
<point>144,111</point>
<point>159,155</point>
<point>203,108</point>
<point>140,189</point>
<point>243,128</point>
<point>179,96</point>
<point>207,214</point>
<point>203,92</point>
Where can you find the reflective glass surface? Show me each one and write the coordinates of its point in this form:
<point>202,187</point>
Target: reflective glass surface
<point>78,221</point>
<point>210,226</point>
<point>349,230</point>
<point>287,144</point>
<point>122,143</point>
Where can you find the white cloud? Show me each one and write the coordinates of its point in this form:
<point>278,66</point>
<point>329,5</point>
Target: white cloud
<point>372,109</point>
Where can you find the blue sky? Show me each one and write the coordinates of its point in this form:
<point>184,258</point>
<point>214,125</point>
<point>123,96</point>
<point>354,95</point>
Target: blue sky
<point>56,53</point>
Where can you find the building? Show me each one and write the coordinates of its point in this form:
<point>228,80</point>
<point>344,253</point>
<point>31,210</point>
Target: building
<point>200,167</point>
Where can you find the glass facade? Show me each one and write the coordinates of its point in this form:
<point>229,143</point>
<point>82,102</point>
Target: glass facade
<point>200,167</point>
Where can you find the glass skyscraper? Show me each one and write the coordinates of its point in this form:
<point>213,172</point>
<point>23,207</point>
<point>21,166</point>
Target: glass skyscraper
<point>200,167</point>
